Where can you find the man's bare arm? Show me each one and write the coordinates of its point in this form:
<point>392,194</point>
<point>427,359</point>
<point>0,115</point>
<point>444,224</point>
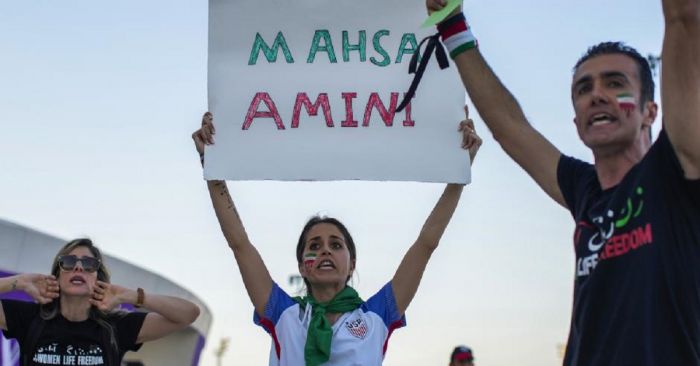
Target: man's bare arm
<point>506,120</point>
<point>680,81</point>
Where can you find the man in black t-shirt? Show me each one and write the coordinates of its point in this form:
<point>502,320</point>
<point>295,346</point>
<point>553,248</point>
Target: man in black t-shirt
<point>637,209</point>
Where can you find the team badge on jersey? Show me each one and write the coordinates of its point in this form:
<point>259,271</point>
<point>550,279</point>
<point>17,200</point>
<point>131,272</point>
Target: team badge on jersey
<point>357,328</point>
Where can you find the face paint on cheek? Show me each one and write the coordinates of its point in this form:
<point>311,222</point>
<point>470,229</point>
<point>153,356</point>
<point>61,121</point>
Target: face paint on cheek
<point>626,102</point>
<point>309,259</point>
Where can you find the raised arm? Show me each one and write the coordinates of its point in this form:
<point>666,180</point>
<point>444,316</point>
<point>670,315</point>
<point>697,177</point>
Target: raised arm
<point>42,288</point>
<point>504,117</point>
<point>167,314</point>
<point>255,275</point>
<point>408,275</point>
<point>680,81</point>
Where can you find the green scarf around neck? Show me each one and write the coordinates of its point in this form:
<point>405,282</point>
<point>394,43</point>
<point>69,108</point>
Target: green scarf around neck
<point>318,338</point>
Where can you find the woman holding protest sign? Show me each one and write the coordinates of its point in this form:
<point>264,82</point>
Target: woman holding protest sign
<point>75,320</point>
<point>332,325</point>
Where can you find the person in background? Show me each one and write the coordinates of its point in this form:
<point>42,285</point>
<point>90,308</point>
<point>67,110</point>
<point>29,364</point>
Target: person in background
<point>76,319</point>
<point>462,356</point>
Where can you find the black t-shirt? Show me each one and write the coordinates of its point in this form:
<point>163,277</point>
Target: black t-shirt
<point>637,278</point>
<point>63,342</point>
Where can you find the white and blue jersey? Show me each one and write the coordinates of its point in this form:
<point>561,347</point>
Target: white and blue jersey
<point>360,337</point>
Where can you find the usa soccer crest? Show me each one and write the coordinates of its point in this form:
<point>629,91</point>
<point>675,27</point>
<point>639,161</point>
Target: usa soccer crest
<point>357,327</point>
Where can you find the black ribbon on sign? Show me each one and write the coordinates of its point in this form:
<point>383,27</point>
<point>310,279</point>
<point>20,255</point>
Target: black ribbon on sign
<point>414,68</point>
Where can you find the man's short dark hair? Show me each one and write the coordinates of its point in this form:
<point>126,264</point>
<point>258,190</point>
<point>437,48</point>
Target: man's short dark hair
<point>611,48</point>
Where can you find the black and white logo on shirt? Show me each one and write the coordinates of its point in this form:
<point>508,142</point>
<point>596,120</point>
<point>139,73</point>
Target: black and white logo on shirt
<point>55,354</point>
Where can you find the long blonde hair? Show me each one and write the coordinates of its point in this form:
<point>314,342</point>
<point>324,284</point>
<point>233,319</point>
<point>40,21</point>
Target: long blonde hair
<point>51,310</point>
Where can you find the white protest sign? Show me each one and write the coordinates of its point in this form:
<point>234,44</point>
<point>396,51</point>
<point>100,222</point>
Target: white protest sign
<point>307,90</point>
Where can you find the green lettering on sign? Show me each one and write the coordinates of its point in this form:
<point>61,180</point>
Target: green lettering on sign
<point>408,39</point>
<point>327,47</point>
<point>270,52</point>
<point>378,47</point>
<point>361,46</point>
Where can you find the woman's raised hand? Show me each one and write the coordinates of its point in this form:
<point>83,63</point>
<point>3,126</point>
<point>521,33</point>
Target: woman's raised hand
<point>205,134</point>
<point>42,288</point>
<point>470,140</point>
<point>105,296</point>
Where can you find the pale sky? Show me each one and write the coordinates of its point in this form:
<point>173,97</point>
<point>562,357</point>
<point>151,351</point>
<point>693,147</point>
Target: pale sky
<point>97,104</point>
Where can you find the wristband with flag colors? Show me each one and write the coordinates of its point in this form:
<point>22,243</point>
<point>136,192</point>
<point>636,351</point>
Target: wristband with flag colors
<point>456,35</point>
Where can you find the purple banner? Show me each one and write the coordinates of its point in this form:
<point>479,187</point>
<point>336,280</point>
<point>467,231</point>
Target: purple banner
<point>9,349</point>
<point>198,351</point>
<point>13,295</point>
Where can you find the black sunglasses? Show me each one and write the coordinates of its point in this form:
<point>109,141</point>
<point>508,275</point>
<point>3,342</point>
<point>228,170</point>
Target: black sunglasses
<point>68,263</point>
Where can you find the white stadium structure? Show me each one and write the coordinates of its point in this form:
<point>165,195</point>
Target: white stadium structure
<point>24,250</point>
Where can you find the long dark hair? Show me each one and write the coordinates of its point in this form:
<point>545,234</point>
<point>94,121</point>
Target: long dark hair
<point>315,220</point>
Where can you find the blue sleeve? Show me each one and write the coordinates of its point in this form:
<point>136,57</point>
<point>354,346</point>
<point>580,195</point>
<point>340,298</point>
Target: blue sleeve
<point>277,303</point>
<point>383,303</point>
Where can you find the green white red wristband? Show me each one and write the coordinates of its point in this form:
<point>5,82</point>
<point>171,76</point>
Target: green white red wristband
<point>457,35</point>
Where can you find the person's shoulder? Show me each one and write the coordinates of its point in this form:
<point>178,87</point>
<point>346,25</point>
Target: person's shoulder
<point>660,143</point>
<point>19,305</point>
<point>21,316</point>
<point>383,302</point>
<point>575,176</point>
<point>570,162</point>
<point>385,293</point>
<point>661,155</point>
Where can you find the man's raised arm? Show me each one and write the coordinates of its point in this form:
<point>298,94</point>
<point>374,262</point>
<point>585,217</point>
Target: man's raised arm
<point>504,117</point>
<point>680,81</point>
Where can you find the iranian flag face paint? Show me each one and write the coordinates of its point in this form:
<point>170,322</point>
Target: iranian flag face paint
<point>626,102</point>
<point>309,259</point>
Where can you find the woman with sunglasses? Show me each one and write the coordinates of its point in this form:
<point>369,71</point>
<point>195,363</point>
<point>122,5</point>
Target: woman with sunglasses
<point>332,325</point>
<point>76,319</point>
